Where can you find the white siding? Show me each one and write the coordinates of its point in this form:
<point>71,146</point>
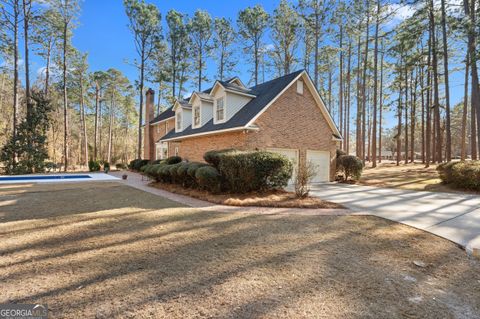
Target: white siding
<point>206,112</point>
<point>186,118</point>
<point>234,103</point>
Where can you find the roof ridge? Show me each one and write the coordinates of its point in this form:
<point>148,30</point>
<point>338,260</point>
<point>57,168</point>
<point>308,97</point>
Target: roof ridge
<point>279,78</point>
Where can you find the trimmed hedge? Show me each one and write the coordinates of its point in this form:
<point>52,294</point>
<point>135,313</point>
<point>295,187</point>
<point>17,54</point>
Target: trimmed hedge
<point>209,179</point>
<point>351,166</point>
<point>235,171</point>
<point>254,171</point>
<point>136,164</point>
<point>173,160</point>
<point>213,157</point>
<point>464,175</point>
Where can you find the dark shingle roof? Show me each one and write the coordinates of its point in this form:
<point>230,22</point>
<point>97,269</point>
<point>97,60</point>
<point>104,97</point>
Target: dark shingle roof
<point>168,113</point>
<point>264,92</point>
<point>234,87</point>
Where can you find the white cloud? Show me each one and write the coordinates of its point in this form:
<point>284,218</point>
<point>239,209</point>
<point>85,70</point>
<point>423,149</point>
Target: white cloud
<point>401,12</point>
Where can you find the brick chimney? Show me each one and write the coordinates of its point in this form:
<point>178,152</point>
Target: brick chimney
<point>149,143</point>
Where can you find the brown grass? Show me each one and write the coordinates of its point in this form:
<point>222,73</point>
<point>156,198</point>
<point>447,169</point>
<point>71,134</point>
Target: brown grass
<point>412,176</point>
<point>276,198</point>
<point>104,250</point>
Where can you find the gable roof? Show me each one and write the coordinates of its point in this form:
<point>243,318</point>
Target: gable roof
<point>266,93</point>
<point>165,115</point>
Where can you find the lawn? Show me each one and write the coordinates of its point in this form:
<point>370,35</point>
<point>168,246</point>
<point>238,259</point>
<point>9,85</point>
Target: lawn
<point>413,176</point>
<point>106,250</point>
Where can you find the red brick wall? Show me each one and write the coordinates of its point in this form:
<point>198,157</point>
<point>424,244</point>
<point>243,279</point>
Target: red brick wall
<point>156,132</point>
<point>193,149</point>
<point>294,121</point>
<point>148,142</point>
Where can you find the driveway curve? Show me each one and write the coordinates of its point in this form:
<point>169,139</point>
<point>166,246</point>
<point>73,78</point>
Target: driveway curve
<point>450,215</point>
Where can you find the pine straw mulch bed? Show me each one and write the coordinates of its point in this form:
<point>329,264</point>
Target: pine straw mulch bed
<point>275,198</point>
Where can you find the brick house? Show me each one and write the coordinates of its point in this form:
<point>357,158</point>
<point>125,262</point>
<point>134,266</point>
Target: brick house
<point>285,115</point>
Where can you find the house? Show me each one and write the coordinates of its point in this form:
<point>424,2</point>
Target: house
<point>285,115</point>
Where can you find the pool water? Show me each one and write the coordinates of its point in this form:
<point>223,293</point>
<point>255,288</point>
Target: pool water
<point>46,177</point>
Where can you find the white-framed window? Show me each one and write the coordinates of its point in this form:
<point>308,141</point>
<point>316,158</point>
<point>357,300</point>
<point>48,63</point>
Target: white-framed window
<point>161,150</point>
<point>300,87</point>
<point>220,109</point>
<point>196,116</point>
<point>176,150</point>
<point>178,121</point>
<point>166,127</point>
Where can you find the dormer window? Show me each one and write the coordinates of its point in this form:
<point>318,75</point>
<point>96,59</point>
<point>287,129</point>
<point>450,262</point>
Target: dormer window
<point>196,116</point>
<point>178,121</point>
<point>220,109</point>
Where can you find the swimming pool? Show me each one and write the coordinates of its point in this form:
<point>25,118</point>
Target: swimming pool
<point>42,177</point>
<point>56,178</point>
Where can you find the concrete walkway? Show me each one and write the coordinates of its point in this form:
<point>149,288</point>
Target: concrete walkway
<point>138,181</point>
<point>452,216</point>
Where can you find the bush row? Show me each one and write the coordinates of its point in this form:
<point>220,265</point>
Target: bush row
<point>191,175</point>
<point>461,174</point>
<point>227,170</point>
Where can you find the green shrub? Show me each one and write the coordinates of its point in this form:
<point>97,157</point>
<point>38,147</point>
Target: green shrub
<point>182,175</point>
<point>51,166</point>
<point>192,170</point>
<point>464,175</point>
<point>254,171</point>
<point>213,157</point>
<point>93,166</point>
<point>150,170</point>
<point>173,160</point>
<point>340,153</point>
<point>136,164</point>
<point>120,166</point>
<point>351,166</point>
<point>163,173</point>
<point>172,169</point>
<point>209,179</point>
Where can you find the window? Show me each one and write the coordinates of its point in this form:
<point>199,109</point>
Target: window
<point>166,127</point>
<point>161,151</point>
<point>176,150</point>
<point>178,123</point>
<point>158,128</point>
<point>300,87</point>
<point>220,110</point>
<point>196,116</point>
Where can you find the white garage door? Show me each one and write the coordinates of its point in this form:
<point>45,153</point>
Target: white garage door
<point>321,160</point>
<point>291,154</point>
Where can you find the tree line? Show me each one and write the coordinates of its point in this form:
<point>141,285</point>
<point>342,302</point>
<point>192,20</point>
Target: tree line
<point>366,63</point>
<point>364,60</point>
<point>92,114</point>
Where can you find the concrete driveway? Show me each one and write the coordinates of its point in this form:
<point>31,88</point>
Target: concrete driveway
<point>453,216</point>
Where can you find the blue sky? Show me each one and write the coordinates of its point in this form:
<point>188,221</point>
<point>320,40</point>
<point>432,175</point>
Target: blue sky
<point>103,33</point>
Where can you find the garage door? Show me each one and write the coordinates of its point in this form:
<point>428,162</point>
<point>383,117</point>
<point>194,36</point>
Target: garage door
<point>291,154</point>
<point>321,160</point>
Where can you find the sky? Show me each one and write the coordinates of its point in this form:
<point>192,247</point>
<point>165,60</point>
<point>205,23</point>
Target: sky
<point>103,33</point>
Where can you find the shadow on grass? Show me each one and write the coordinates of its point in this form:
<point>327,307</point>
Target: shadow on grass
<point>147,257</point>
